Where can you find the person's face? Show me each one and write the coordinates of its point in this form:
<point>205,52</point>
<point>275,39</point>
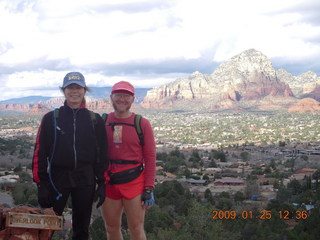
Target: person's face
<point>74,94</point>
<point>122,102</point>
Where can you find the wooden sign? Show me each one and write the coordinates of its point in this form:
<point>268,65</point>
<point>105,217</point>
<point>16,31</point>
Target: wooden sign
<point>34,221</point>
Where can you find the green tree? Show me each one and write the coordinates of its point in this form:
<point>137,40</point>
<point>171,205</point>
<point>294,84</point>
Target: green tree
<point>273,164</point>
<point>252,188</point>
<point>173,164</point>
<point>97,229</point>
<point>208,196</point>
<point>187,173</point>
<point>224,204</point>
<point>218,155</point>
<point>18,168</point>
<point>239,196</point>
<point>172,193</point>
<point>156,220</point>
<point>177,153</point>
<point>200,225</point>
<point>195,157</point>
<point>316,176</point>
<point>244,156</point>
<point>25,177</point>
<point>224,195</point>
<point>295,187</point>
<point>283,194</point>
<point>309,228</point>
<point>212,164</point>
<point>24,194</point>
<point>205,177</point>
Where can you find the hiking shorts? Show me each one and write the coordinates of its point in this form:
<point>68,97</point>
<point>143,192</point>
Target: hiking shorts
<point>126,190</point>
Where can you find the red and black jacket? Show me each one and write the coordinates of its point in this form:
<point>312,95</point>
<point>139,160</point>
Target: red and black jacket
<point>78,156</point>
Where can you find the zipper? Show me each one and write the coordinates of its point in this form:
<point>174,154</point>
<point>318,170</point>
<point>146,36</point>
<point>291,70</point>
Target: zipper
<point>74,136</point>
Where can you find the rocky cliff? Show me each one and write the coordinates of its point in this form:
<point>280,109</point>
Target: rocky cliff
<point>246,77</point>
<point>301,85</point>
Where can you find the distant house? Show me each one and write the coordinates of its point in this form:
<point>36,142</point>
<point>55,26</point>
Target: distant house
<point>170,175</point>
<point>302,173</point>
<point>306,171</point>
<point>193,181</point>
<point>211,171</point>
<point>196,181</point>
<point>229,181</point>
<point>263,180</point>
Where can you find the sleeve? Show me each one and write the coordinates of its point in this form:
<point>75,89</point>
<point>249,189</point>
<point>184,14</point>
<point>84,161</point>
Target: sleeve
<point>149,153</point>
<point>42,149</point>
<point>102,162</point>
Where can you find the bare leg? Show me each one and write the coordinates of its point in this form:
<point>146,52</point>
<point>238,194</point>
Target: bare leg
<point>111,213</point>
<point>135,217</point>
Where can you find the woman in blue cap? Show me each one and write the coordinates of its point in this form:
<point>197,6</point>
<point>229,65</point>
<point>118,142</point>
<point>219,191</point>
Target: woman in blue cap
<point>70,157</point>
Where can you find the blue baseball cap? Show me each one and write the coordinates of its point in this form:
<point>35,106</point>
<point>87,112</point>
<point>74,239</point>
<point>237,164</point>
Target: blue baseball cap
<point>74,77</point>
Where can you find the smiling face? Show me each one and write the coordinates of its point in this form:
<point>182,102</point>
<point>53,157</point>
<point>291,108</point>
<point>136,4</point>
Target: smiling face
<point>121,103</point>
<point>74,95</point>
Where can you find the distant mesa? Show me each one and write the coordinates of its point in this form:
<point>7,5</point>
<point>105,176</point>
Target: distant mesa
<point>306,105</point>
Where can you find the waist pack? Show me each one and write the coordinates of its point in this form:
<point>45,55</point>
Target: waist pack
<point>125,176</point>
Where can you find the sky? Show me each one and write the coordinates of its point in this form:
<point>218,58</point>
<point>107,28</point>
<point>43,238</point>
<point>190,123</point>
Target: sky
<point>147,42</point>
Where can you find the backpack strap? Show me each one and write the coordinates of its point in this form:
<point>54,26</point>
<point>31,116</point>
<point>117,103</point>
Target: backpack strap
<point>105,117</point>
<point>136,125</point>
<point>56,113</point>
<point>93,119</point>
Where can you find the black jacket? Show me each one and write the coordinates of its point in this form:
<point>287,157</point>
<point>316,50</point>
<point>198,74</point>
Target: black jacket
<point>78,156</point>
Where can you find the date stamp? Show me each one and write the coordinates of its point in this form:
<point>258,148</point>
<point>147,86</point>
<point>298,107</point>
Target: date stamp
<point>262,215</point>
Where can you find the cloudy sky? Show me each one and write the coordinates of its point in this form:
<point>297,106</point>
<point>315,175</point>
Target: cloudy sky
<point>147,42</point>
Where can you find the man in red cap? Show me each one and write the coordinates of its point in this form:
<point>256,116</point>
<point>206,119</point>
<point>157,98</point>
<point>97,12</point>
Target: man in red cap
<point>131,173</point>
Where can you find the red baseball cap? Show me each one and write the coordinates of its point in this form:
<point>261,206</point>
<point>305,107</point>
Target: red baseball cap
<point>123,86</point>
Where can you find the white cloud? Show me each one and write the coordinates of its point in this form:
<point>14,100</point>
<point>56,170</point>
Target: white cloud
<point>41,40</point>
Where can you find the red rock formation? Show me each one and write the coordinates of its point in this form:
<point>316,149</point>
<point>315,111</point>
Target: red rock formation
<point>38,109</point>
<point>306,105</point>
<point>99,105</point>
<point>15,107</point>
<point>231,95</point>
<point>248,76</point>
<point>315,93</point>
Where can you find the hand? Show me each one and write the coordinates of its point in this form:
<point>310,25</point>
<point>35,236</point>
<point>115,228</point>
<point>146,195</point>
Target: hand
<point>147,198</point>
<point>44,195</point>
<point>100,194</point>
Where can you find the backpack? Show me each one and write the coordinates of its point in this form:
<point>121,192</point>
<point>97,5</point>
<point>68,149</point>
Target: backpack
<point>136,125</point>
